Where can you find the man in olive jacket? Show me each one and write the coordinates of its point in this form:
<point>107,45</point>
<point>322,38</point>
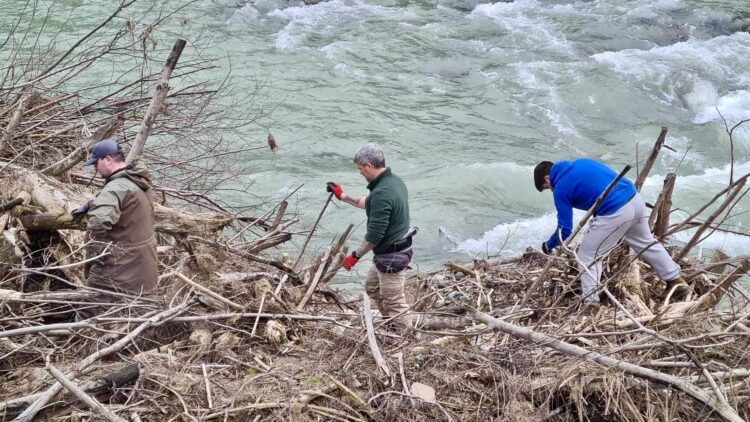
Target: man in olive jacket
<point>120,225</point>
<point>388,234</point>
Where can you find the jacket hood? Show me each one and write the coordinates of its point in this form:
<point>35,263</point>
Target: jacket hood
<point>558,170</point>
<point>137,174</point>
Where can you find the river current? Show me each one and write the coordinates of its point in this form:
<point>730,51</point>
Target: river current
<point>466,97</point>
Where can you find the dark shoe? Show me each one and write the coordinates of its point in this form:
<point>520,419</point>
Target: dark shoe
<point>588,310</point>
<point>676,290</point>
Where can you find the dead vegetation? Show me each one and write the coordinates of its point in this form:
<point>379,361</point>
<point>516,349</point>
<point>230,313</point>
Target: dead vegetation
<point>238,331</point>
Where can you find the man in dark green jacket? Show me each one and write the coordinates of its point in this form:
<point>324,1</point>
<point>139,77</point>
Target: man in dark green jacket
<point>388,234</point>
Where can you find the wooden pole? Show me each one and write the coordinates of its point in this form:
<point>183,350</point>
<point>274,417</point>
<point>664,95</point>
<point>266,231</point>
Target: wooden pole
<point>651,159</point>
<point>155,106</point>
<point>91,402</point>
<point>312,230</point>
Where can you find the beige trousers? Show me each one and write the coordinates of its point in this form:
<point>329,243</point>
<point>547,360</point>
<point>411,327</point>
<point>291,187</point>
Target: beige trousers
<point>387,291</point>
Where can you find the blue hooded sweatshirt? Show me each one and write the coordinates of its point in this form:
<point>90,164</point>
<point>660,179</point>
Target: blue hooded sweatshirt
<point>578,184</point>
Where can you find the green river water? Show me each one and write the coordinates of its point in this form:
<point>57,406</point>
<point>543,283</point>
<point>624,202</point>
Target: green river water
<point>465,97</point>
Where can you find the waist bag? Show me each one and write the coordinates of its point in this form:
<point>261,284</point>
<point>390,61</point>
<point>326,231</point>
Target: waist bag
<point>399,259</point>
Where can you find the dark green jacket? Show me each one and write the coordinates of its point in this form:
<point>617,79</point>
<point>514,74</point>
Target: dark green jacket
<point>387,209</point>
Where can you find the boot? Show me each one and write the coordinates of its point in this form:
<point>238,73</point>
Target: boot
<point>589,309</point>
<point>677,289</point>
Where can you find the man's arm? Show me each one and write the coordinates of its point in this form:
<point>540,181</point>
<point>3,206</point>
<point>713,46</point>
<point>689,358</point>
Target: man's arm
<point>104,211</point>
<point>564,221</point>
<point>357,201</point>
<point>364,247</point>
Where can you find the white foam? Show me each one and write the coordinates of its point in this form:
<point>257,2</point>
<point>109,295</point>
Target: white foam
<point>328,17</point>
<point>703,95</point>
<point>515,236</point>
<point>703,182</point>
<point>525,24</point>
<point>677,64</point>
<point>729,243</point>
<point>501,165</point>
<point>551,103</point>
<point>735,106</point>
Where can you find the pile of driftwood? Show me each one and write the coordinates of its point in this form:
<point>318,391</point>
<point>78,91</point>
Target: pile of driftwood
<point>238,332</point>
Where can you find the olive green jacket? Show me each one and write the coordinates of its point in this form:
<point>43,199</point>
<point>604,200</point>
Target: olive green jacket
<point>121,222</point>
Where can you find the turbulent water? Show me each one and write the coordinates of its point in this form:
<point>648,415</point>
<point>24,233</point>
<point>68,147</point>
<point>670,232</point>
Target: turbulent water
<point>465,97</point>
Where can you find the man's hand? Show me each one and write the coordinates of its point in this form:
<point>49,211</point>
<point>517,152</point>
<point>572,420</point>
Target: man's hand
<point>80,210</point>
<point>544,248</point>
<point>336,189</point>
<point>350,261</point>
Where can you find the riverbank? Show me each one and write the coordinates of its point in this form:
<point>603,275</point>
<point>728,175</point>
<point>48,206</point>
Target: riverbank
<point>239,330</point>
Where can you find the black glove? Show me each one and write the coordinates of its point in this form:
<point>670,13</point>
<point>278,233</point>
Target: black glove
<point>80,210</point>
<point>545,250</point>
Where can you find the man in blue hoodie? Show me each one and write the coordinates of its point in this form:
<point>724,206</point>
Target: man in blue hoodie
<point>622,215</point>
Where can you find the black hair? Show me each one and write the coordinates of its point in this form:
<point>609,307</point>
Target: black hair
<point>542,169</point>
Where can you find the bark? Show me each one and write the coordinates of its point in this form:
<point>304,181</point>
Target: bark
<point>659,219</point>
<point>30,412</point>
<point>169,221</point>
<point>10,129</point>
<point>156,104</point>
<point>651,159</point>
<point>91,402</point>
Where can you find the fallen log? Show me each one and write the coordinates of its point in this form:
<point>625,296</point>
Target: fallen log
<point>168,220</point>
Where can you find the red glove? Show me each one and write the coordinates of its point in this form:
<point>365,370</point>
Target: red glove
<point>335,188</point>
<point>350,261</point>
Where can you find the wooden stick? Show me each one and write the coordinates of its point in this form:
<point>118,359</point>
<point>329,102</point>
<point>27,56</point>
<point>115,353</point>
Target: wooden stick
<point>651,159</point>
<point>91,402</point>
<point>155,106</point>
<point>79,153</point>
<point>208,386</point>
<point>312,230</point>
<point>207,292</point>
<point>696,237</point>
<point>22,198</point>
<point>30,412</point>
<point>314,283</point>
<point>363,406</point>
<point>10,129</point>
<point>659,218</point>
<point>692,216</point>
<point>540,278</point>
<point>725,411</point>
<point>371,336</point>
<point>260,309</point>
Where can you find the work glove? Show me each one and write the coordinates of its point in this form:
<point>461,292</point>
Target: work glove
<point>545,250</point>
<point>350,261</point>
<point>80,210</point>
<point>336,189</point>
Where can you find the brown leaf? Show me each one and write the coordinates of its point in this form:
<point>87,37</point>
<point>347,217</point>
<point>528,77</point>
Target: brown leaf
<point>272,142</point>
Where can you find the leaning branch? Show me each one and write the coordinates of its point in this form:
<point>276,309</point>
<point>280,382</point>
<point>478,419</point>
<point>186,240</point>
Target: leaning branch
<point>155,106</point>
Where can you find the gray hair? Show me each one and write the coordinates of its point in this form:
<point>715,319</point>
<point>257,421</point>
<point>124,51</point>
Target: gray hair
<point>370,153</point>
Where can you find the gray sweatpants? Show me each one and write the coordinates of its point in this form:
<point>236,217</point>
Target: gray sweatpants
<point>629,223</point>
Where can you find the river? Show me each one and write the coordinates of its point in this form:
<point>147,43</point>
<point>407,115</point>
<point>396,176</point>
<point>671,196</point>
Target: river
<point>466,97</point>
